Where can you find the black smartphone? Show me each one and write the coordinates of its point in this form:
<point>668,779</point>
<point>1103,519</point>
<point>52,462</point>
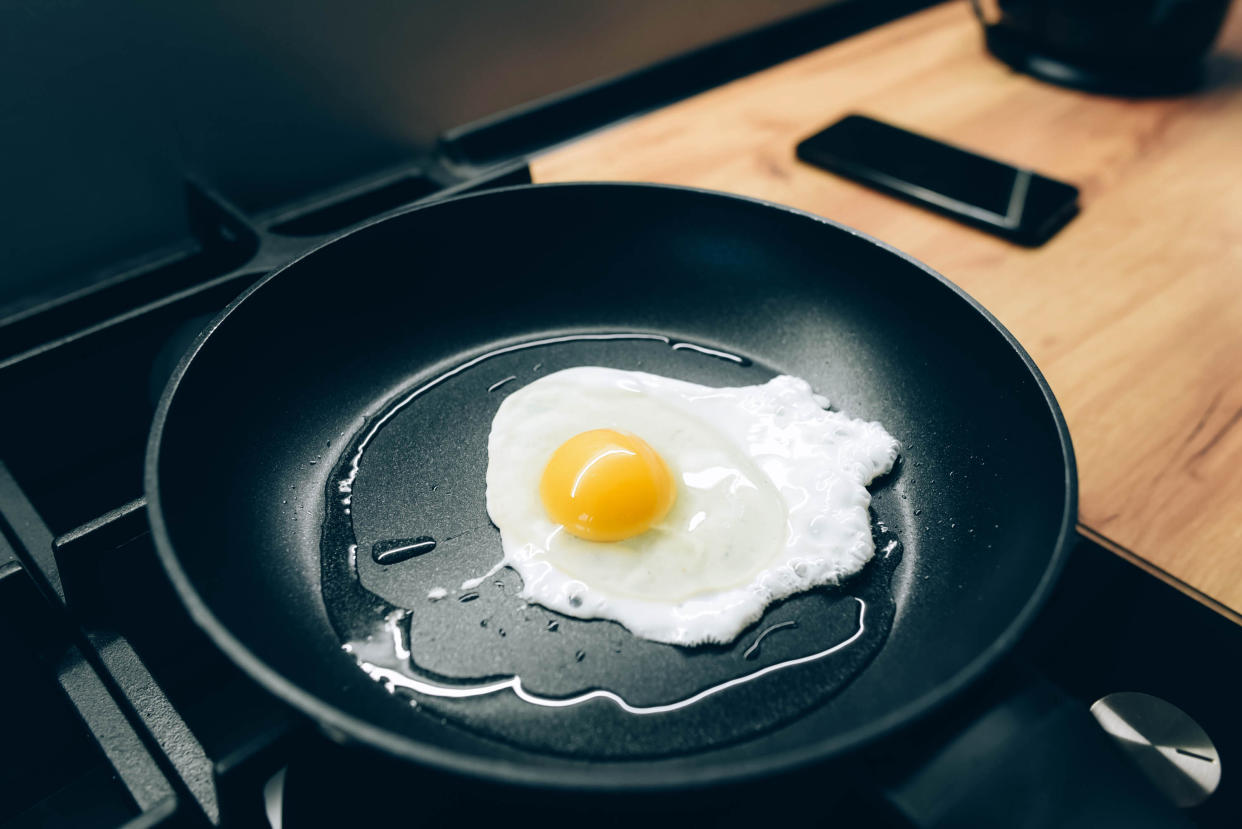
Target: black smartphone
<point>1016,204</point>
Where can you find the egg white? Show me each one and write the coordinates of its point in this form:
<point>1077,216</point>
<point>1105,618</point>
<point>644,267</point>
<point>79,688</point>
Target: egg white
<point>771,500</point>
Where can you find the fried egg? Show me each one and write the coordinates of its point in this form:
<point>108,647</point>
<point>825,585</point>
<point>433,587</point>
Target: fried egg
<point>678,510</point>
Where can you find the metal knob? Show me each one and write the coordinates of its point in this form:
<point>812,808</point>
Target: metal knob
<point>1164,742</point>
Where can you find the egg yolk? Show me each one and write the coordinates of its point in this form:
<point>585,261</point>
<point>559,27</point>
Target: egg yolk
<point>605,485</point>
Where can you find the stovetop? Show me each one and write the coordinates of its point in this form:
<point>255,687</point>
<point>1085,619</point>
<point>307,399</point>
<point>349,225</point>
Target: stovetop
<point>119,712</point>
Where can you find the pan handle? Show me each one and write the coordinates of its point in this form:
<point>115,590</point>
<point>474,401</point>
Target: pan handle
<point>1035,759</point>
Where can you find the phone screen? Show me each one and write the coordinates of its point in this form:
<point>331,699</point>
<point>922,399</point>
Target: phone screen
<point>1007,200</point>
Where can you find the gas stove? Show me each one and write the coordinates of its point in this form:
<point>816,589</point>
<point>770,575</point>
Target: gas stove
<point>122,714</point>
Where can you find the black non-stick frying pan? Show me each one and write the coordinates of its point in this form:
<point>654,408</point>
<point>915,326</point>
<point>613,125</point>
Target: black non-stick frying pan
<point>394,346</point>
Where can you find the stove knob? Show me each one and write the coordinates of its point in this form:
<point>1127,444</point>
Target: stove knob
<point>1166,744</point>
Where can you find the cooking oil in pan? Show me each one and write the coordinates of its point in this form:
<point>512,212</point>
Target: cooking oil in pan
<point>386,659</point>
<point>625,697</point>
<point>395,551</point>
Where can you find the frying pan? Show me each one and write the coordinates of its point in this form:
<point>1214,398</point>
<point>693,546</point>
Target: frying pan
<point>391,348</point>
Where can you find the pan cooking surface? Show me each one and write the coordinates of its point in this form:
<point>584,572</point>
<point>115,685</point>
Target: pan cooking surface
<point>484,659</point>
<point>239,472</point>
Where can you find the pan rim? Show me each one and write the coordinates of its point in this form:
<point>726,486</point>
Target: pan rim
<point>586,776</point>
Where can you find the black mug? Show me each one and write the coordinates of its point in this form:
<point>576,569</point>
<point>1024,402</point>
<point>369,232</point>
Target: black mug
<point>1132,47</point>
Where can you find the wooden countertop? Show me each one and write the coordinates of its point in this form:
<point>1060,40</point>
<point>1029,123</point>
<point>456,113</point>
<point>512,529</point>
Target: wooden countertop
<point>1133,311</point>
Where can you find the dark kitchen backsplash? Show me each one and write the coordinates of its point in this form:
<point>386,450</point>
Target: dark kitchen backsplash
<point>106,107</point>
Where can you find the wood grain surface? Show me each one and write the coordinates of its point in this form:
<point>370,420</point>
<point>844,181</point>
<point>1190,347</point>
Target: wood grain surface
<point>1133,311</point>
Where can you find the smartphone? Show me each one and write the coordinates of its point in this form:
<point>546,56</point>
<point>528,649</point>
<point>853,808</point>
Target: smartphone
<point>1016,204</point>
